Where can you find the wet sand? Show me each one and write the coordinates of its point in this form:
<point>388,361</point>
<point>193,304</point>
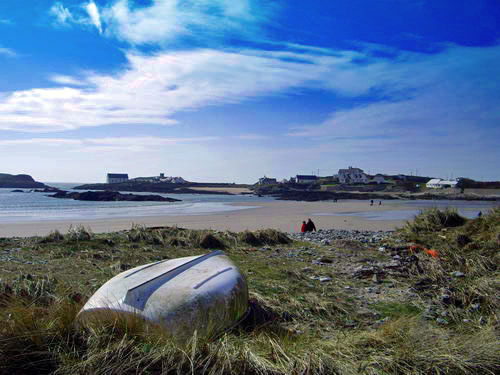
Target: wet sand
<point>283,215</point>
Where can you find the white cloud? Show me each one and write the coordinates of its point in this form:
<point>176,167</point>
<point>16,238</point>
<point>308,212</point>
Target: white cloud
<point>67,80</point>
<point>94,15</point>
<point>4,21</point>
<point>427,99</point>
<point>431,100</point>
<point>7,52</point>
<point>85,15</point>
<point>153,88</point>
<point>166,20</point>
<point>62,15</point>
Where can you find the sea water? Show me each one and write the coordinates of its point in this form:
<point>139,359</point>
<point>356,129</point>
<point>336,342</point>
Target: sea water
<point>30,206</point>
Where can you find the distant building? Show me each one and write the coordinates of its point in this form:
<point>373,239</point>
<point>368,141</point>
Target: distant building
<point>379,179</point>
<point>267,181</point>
<point>352,176</point>
<point>306,179</point>
<point>173,180</point>
<point>161,178</point>
<point>114,178</point>
<point>144,179</point>
<point>439,183</point>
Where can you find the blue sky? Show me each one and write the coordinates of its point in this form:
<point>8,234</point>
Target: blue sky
<point>231,90</point>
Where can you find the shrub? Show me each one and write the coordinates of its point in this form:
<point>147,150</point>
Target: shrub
<point>433,220</point>
<point>249,238</point>
<point>79,233</point>
<point>272,237</point>
<point>54,236</point>
<point>209,241</point>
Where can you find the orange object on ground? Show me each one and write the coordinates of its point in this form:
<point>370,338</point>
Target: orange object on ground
<point>432,253</point>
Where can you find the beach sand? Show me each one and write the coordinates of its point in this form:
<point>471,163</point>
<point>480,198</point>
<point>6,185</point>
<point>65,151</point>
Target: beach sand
<point>283,215</point>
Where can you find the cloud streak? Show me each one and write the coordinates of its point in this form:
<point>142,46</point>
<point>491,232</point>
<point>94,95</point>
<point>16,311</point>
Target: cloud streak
<point>86,15</point>
<point>129,144</point>
<point>153,88</point>
<point>94,15</point>
<point>445,99</point>
<point>165,21</point>
<point>7,52</point>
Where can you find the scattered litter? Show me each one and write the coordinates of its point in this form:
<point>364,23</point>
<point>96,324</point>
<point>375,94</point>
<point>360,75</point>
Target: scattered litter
<point>321,279</point>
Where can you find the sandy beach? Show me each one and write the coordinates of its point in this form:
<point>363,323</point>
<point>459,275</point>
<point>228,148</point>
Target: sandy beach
<point>283,215</point>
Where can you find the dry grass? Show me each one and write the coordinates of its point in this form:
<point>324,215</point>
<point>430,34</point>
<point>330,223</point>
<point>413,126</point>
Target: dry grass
<point>433,220</point>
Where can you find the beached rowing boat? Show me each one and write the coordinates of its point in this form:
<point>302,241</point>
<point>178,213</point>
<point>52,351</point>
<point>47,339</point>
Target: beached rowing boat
<point>204,293</point>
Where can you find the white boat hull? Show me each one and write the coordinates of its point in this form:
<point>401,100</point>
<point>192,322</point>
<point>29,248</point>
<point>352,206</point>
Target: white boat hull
<point>207,294</point>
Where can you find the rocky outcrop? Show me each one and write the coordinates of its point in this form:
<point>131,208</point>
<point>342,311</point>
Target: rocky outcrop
<point>22,181</point>
<point>160,187</point>
<point>48,189</point>
<point>312,196</point>
<point>99,196</point>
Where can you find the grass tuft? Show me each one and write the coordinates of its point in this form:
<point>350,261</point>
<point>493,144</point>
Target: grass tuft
<point>434,220</point>
<point>79,233</point>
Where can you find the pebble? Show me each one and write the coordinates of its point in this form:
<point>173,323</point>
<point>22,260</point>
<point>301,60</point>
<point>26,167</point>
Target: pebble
<point>458,274</point>
<point>326,236</point>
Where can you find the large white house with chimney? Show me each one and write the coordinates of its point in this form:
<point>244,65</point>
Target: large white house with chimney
<point>352,176</point>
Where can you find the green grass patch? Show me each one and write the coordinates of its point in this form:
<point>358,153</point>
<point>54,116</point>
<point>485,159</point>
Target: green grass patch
<point>396,310</point>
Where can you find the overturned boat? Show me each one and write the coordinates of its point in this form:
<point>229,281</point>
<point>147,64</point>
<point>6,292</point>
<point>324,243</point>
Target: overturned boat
<point>207,294</point>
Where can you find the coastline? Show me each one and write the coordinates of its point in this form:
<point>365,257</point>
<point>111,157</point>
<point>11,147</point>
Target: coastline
<point>282,215</point>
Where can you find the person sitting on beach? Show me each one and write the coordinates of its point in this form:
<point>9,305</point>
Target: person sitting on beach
<point>310,226</point>
<point>303,228</point>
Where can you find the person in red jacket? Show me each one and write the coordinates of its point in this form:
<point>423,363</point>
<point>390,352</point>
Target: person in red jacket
<point>303,227</point>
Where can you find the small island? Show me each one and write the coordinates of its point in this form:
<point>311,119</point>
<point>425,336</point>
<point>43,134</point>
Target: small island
<point>109,196</point>
<point>20,181</point>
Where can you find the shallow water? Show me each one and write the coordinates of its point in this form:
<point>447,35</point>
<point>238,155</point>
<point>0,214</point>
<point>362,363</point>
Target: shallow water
<point>22,207</point>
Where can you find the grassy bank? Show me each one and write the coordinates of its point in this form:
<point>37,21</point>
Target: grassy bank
<point>389,308</point>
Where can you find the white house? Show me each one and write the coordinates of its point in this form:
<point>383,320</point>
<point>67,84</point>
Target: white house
<point>173,180</point>
<point>114,178</point>
<point>352,176</point>
<point>305,179</point>
<point>267,181</point>
<point>439,183</point>
<point>379,179</point>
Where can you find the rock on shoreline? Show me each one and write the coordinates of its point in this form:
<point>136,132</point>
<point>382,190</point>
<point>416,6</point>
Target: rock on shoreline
<point>100,196</point>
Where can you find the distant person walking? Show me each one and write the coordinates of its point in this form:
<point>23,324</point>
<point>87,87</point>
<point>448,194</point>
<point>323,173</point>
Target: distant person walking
<point>371,202</point>
<point>310,226</point>
<point>479,214</point>
<point>380,203</point>
<point>303,228</point>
